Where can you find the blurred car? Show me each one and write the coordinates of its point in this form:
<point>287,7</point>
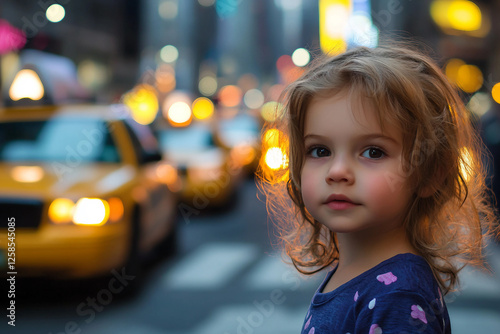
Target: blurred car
<point>241,135</point>
<point>209,176</point>
<point>87,188</point>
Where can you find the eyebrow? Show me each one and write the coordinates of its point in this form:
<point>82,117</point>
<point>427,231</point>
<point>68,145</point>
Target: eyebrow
<point>362,137</point>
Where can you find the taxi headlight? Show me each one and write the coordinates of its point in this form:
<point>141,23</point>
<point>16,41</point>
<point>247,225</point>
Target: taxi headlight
<point>61,210</point>
<point>91,211</point>
<point>86,211</point>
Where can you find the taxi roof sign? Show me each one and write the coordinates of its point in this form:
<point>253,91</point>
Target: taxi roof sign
<point>26,84</point>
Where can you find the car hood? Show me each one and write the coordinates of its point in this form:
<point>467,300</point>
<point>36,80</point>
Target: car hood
<point>57,180</point>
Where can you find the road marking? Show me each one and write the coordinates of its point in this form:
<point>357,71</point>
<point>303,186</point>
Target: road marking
<point>271,272</point>
<point>250,319</point>
<point>211,266</point>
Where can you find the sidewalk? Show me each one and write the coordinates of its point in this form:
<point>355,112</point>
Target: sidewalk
<point>476,307</point>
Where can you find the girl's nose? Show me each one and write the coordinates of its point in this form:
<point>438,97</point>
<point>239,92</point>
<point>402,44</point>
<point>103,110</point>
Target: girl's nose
<point>340,171</point>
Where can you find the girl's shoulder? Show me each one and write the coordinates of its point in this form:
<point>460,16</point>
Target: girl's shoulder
<point>404,272</point>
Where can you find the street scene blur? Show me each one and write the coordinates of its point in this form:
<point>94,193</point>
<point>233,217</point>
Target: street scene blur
<point>130,132</point>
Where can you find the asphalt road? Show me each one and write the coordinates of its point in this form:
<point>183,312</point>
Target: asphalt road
<point>226,278</point>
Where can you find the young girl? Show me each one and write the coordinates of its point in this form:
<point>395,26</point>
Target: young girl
<point>387,185</point>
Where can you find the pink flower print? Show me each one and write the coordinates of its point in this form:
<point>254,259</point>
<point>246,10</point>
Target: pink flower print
<point>308,322</point>
<point>418,313</point>
<point>387,278</point>
<point>356,296</point>
<point>311,331</point>
<point>375,329</point>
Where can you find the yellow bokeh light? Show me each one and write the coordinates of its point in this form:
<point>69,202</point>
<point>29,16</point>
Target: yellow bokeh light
<point>26,84</point>
<point>333,23</point>
<point>271,111</point>
<point>203,108</point>
<point>464,15</point>
<point>495,92</point>
<point>55,13</point>
<point>143,103</point>
<point>179,114</point>
<point>469,78</point>
<point>91,211</point>
<point>456,14</point>
<point>272,137</point>
<point>61,210</point>
<point>275,158</point>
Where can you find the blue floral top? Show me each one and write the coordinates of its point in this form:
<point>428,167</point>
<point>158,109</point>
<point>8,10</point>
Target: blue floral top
<point>399,295</point>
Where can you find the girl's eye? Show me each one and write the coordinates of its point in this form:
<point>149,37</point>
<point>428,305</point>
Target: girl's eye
<point>318,152</point>
<point>373,153</point>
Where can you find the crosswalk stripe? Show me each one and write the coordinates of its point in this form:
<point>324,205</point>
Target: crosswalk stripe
<point>250,319</point>
<point>211,266</point>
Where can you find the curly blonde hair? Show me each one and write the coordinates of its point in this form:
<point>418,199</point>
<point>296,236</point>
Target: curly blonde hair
<point>449,214</point>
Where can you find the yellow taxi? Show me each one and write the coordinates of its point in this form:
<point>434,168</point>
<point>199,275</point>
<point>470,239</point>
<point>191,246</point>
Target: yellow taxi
<point>83,191</point>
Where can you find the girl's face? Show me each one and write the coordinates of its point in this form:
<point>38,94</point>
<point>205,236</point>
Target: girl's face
<point>351,178</point>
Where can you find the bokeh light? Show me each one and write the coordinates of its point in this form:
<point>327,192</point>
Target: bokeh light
<point>479,103</point>
<point>168,9</point>
<point>203,108</point>
<point>272,111</point>
<point>116,209</point>
<point>272,137</point>
<point>456,14</point>
<point>55,13</point>
<point>92,75</point>
<point>253,98</point>
<point>208,85</point>
<point>179,114</point>
<point>230,96</point>
<point>333,22</point>
<point>169,54</point>
<point>61,210</point>
<point>165,78</point>
<point>275,158</point>
<point>143,103</point>
<point>495,92</point>
<point>91,211</point>
<point>464,15</point>
<point>469,78</point>
<point>301,57</point>
<point>27,174</point>
<point>26,84</point>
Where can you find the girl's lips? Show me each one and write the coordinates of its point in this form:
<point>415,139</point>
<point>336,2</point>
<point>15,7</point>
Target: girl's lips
<point>340,205</point>
<point>339,202</point>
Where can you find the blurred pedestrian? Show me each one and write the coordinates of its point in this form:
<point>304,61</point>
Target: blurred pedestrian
<point>387,185</point>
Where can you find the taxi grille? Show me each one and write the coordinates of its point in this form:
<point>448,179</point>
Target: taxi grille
<point>27,212</point>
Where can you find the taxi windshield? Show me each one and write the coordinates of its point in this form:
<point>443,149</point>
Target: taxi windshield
<point>57,139</point>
